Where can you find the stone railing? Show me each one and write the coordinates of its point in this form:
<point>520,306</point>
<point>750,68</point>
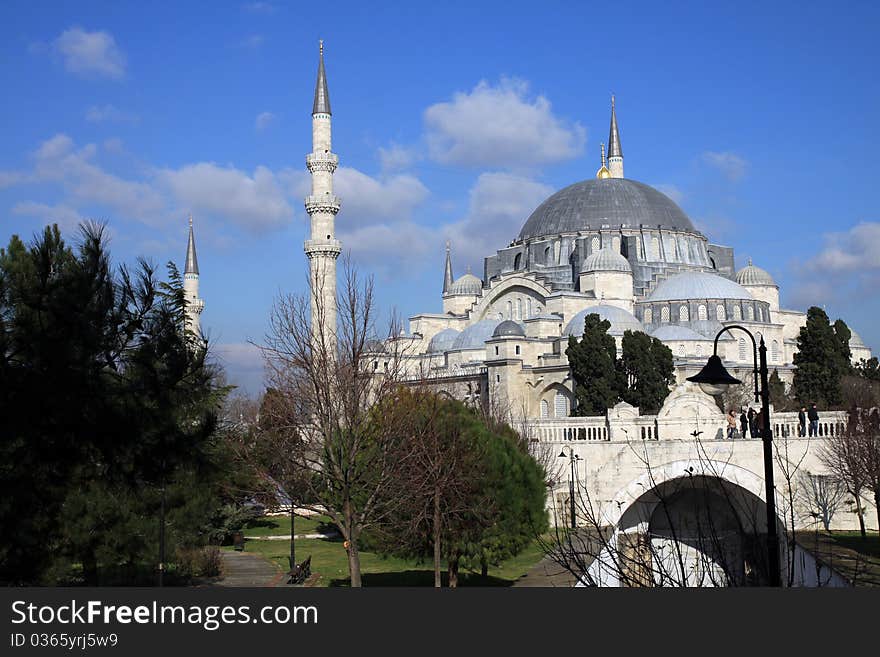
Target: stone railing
<point>653,427</point>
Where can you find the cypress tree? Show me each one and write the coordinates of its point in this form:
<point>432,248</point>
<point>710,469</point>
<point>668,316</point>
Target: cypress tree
<point>823,358</point>
<point>593,362</point>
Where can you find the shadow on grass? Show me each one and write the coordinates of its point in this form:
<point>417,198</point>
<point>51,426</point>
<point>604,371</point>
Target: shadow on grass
<point>263,522</point>
<point>422,578</point>
<point>869,545</point>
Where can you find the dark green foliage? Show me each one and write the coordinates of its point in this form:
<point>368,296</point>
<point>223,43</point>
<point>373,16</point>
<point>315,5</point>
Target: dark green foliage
<point>647,369</point>
<point>869,369</point>
<point>593,365</point>
<point>104,401</point>
<point>778,397</point>
<point>823,358</point>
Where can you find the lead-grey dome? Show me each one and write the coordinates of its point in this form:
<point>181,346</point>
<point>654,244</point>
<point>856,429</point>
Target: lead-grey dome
<point>606,260</point>
<point>621,320</point>
<point>508,328</point>
<point>751,275</point>
<point>475,335</point>
<point>443,341</point>
<point>467,284</point>
<point>593,203</point>
<point>698,285</point>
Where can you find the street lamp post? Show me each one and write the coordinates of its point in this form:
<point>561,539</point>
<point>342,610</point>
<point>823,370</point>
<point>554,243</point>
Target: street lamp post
<point>714,380</point>
<point>573,459</point>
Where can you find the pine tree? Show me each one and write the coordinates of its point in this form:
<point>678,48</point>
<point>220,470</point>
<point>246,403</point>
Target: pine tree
<point>593,362</point>
<point>647,369</point>
<point>823,358</point>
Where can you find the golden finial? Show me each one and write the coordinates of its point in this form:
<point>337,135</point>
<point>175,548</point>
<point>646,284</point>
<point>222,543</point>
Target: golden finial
<point>603,171</point>
<point>321,46</point>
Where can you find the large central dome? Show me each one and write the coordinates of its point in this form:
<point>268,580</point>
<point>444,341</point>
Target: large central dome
<point>615,202</point>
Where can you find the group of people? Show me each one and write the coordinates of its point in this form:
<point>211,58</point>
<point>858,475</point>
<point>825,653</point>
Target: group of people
<point>752,423</point>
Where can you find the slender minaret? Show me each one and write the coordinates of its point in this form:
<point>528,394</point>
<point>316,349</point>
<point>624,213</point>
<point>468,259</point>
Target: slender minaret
<point>194,305</point>
<point>322,248</point>
<point>447,276</point>
<point>615,152</point>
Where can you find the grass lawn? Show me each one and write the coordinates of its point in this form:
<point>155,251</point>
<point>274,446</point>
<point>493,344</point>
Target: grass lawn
<point>330,561</point>
<point>280,526</point>
<point>869,546</point>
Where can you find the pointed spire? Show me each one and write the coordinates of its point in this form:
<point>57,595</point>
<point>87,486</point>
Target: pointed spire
<point>614,149</point>
<point>447,276</point>
<point>322,96</point>
<point>192,263</point>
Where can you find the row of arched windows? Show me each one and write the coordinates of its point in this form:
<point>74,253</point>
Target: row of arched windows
<point>560,406</point>
<point>720,313</point>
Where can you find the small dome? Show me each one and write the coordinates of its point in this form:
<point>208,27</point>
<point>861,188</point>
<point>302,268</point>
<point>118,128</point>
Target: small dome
<point>475,335</point>
<point>606,260</point>
<point>443,341</point>
<point>671,332</point>
<point>621,320</point>
<point>855,340</point>
<point>509,328</point>
<point>467,284</point>
<point>698,285</point>
<point>751,275</point>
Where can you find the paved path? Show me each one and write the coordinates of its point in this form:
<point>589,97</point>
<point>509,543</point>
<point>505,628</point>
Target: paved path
<point>286,537</point>
<point>546,573</point>
<point>243,569</point>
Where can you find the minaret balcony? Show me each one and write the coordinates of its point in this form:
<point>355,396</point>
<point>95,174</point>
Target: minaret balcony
<point>327,203</point>
<point>331,248</point>
<point>322,162</point>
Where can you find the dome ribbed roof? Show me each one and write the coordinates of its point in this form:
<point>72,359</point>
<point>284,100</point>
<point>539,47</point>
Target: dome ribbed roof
<point>508,328</point>
<point>751,275</point>
<point>475,335</point>
<point>698,285</point>
<point>591,204</point>
<point>605,260</point>
<point>443,341</point>
<point>467,284</point>
<point>621,320</point>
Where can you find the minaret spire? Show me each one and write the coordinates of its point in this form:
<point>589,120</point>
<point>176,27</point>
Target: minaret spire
<point>322,247</point>
<point>615,152</point>
<point>194,305</point>
<point>447,276</point>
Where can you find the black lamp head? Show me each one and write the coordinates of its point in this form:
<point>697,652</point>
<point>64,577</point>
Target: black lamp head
<point>714,378</point>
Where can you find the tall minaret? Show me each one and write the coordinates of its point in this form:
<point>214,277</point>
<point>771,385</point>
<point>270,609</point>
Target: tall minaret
<point>194,305</point>
<point>615,153</point>
<point>447,275</point>
<point>322,248</point>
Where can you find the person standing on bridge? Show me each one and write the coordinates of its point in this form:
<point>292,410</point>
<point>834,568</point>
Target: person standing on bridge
<point>731,424</point>
<point>753,430</point>
<point>813,416</point>
<point>802,422</point>
<point>744,423</point>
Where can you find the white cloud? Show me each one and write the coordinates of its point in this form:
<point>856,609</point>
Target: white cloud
<point>856,250</point>
<point>91,54</point>
<point>254,201</point>
<point>66,217</point>
<point>264,120</point>
<point>671,191</point>
<point>731,165</point>
<point>366,200</point>
<point>109,114</point>
<point>396,157</point>
<point>9,178</point>
<point>500,126</point>
<point>243,363</point>
<point>259,7</point>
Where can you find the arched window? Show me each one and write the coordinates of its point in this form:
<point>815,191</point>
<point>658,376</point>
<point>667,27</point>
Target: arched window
<point>557,251</point>
<point>529,307</point>
<point>720,315</point>
<point>743,354</point>
<point>664,314</point>
<point>517,350</point>
<point>701,312</point>
<point>545,408</point>
<point>655,248</point>
<point>774,351</point>
<point>547,255</point>
<point>649,316</point>
<point>750,313</point>
<point>594,245</point>
<point>682,250</point>
<point>615,244</point>
<point>509,310</point>
<point>683,314</point>
<point>737,312</point>
<point>517,261</point>
<point>699,350</point>
<point>681,350</point>
<point>560,405</point>
<point>496,349</point>
<point>519,308</point>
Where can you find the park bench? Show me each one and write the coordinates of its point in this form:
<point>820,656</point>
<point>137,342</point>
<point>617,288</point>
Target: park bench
<point>299,573</point>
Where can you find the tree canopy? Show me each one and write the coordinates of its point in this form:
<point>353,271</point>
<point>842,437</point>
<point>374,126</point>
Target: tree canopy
<point>823,357</point>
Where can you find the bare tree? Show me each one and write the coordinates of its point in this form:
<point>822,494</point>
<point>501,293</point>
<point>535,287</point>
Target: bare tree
<point>821,494</point>
<point>841,454</point>
<point>867,436</point>
<point>330,378</point>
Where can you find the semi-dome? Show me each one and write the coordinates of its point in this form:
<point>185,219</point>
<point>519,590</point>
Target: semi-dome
<point>509,328</point>
<point>467,284</point>
<point>475,335</point>
<point>855,340</point>
<point>591,204</point>
<point>443,341</point>
<point>621,320</point>
<point>670,332</point>
<point>698,285</point>
<point>605,260</point>
<point>751,275</point>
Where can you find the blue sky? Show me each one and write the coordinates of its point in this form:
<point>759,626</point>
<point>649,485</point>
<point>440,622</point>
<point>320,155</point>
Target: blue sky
<point>452,121</point>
